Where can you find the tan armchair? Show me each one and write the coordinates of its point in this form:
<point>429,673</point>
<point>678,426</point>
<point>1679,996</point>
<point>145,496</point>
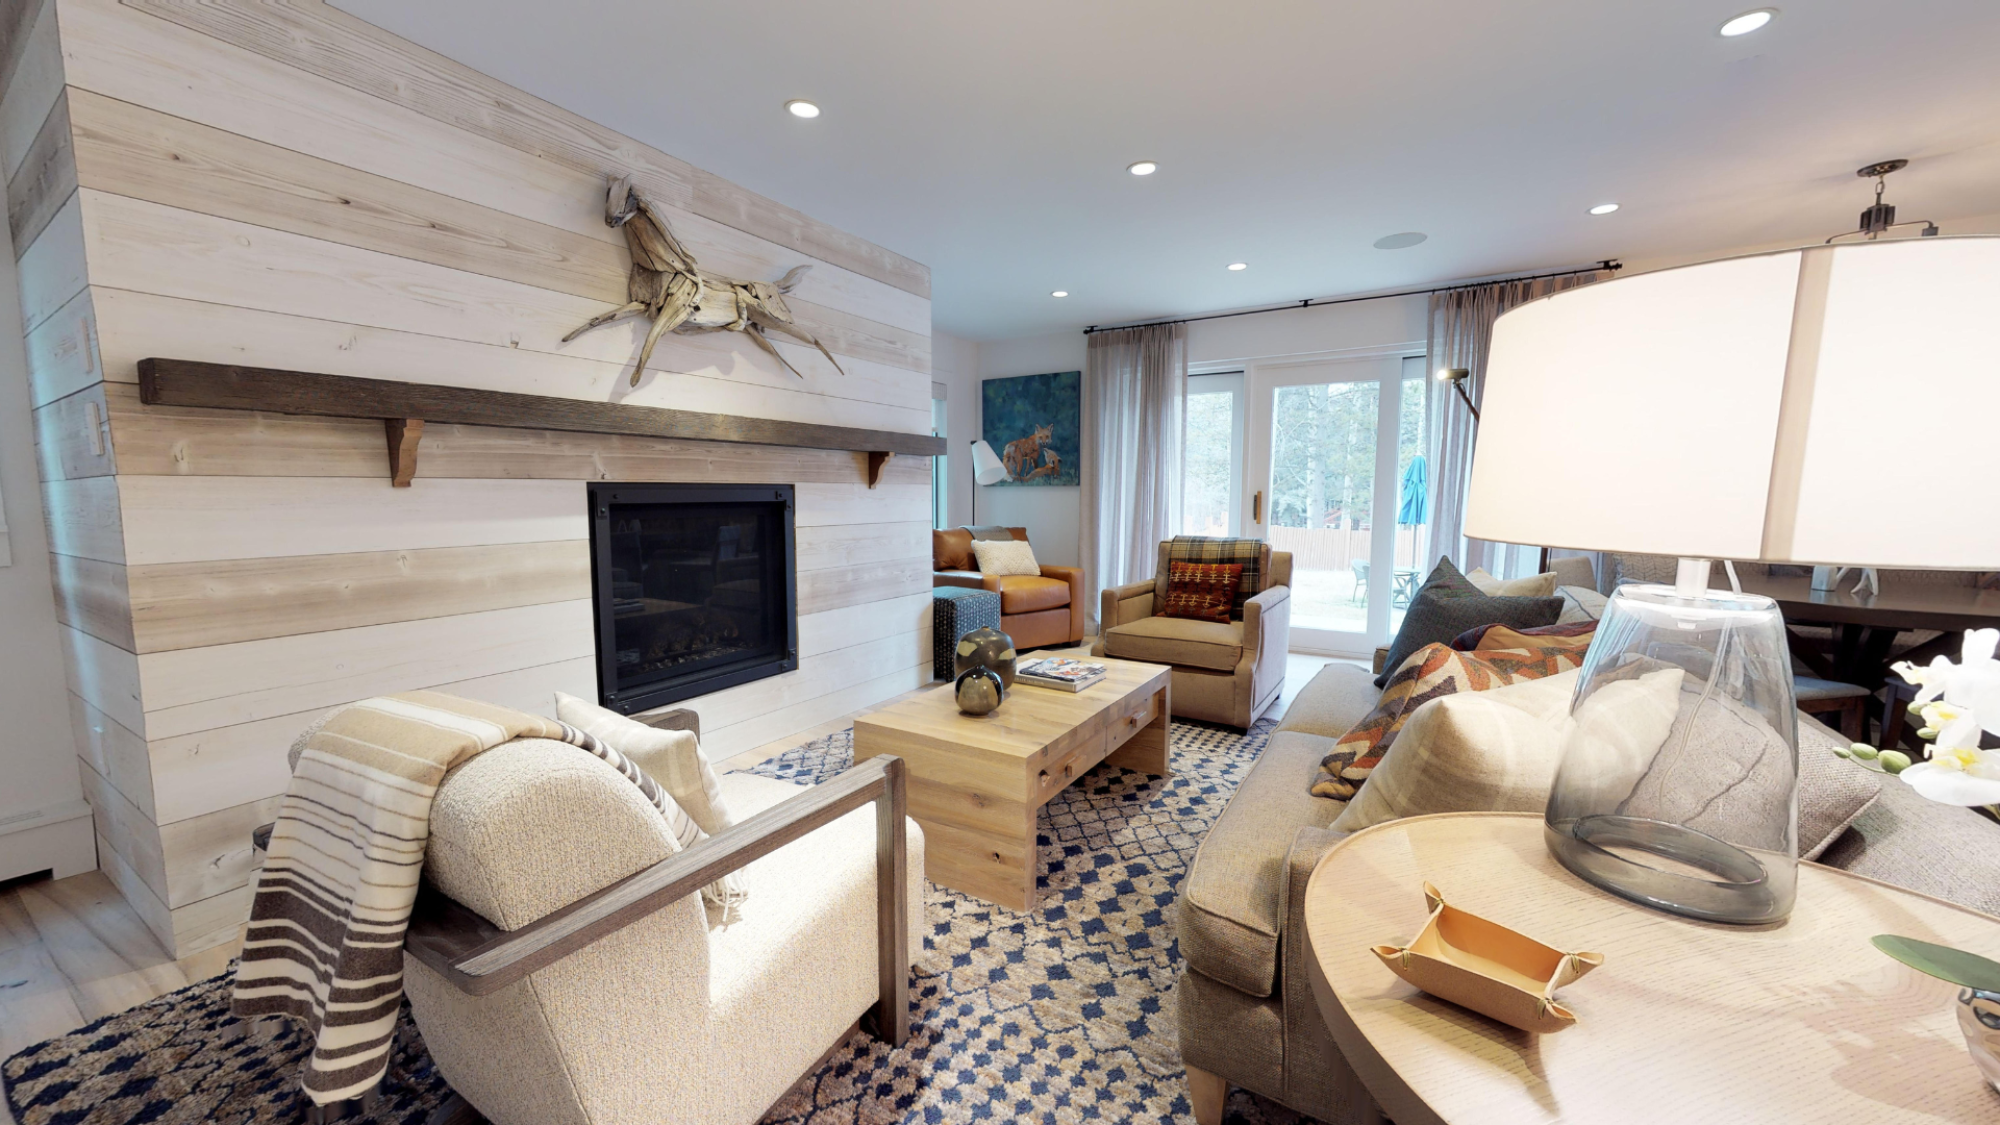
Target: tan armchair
<point>564,970</point>
<point>1035,610</point>
<point>1226,674</point>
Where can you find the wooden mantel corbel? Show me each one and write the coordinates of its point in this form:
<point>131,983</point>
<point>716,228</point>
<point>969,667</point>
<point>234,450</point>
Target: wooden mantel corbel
<point>404,434</point>
<point>405,407</point>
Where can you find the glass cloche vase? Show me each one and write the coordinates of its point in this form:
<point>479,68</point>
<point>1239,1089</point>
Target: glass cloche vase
<point>1678,784</point>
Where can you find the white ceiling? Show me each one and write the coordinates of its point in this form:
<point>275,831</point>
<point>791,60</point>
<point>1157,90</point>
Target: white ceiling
<point>989,140</point>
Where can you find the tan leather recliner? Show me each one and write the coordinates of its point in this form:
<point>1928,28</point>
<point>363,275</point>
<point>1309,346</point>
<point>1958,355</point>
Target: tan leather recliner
<point>1226,674</point>
<point>1034,610</point>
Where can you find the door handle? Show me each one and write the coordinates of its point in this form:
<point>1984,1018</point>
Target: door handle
<point>1257,508</point>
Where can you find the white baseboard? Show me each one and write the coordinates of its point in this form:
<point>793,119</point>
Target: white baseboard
<point>59,839</point>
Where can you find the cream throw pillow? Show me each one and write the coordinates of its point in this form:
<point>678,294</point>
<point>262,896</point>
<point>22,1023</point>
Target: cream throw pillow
<point>673,758</point>
<point>1006,556</point>
<point>1541,585</point>
<point>1481,751</point>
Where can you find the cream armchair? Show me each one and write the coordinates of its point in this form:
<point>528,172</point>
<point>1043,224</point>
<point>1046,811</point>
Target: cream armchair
<point>1226,674</point>
<point>564,970</point>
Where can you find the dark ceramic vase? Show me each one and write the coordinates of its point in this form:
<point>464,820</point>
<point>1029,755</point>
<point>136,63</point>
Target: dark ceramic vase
<point>979,691</point>
<point>986,647</point>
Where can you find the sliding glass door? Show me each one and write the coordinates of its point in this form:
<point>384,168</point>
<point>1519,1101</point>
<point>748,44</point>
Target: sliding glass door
<point>1212,456</point>
<point>1337,477</point>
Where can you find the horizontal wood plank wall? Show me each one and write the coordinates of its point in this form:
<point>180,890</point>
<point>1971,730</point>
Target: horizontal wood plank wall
<point>281,185</point>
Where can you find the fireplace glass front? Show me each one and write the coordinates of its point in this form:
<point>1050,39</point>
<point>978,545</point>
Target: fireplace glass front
<point>694,589</point>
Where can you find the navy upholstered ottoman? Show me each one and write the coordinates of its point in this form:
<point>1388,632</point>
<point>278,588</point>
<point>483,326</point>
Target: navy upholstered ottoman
<point>956,611</point>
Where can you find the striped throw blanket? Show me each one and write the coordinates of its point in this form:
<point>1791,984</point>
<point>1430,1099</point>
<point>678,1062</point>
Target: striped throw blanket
<point>325,943</point>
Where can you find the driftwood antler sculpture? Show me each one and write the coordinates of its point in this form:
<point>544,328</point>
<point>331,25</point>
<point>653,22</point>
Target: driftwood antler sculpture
<point>679,296</point>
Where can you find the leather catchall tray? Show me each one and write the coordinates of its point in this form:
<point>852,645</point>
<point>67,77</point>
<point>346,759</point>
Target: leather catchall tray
<point>1483,965</point>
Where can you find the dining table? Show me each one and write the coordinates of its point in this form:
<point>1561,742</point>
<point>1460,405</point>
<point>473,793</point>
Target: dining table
<point>1866,624</point>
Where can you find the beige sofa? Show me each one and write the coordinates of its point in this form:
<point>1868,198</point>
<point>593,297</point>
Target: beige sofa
<point>672,1017</point>
<point>1246,1013</point>
<point>1222,673</point>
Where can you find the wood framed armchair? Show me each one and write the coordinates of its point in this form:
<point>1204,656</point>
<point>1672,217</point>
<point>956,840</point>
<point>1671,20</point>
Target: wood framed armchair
<point>563,968</point>
<point>1222,673</point>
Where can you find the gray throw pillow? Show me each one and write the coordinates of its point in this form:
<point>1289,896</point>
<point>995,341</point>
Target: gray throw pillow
<point>1436,618</point>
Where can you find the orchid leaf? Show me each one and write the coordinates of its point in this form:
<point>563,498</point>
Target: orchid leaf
<point>1966,970</point>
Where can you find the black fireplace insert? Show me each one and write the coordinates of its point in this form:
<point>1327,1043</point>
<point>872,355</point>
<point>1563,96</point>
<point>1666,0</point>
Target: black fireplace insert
<point>694,587</point>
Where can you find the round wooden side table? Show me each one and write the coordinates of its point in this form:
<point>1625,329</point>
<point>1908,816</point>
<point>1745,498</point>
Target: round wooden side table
<point>1686,1022</point>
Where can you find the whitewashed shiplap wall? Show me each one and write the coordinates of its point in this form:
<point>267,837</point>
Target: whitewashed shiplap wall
<point>278,184</point>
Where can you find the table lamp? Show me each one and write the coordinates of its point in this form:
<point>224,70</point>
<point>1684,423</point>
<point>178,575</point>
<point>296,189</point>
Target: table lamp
<point>1781,407</point>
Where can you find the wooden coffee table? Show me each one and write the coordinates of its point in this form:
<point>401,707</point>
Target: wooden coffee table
<point>1686,1021</point>
<point>976,782</point>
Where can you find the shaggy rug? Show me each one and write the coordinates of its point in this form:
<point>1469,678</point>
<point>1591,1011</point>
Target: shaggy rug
<point>1061,1015</point>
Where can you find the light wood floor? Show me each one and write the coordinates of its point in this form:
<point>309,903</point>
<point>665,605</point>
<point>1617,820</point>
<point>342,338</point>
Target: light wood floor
<point>71,950</point>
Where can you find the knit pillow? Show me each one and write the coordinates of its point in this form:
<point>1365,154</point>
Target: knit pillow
<point>672,758</point>
<point>1437,617</point>
<point>1202,591</point>
<point>1430,672</point>
<point>1005,556</point>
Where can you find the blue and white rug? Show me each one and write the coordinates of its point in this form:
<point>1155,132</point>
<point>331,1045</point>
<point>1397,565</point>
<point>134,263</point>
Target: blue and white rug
<point>1061,1015</point>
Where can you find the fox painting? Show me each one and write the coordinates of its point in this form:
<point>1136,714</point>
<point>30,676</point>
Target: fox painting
<point>1030,457</point>
<point>1033,422</point>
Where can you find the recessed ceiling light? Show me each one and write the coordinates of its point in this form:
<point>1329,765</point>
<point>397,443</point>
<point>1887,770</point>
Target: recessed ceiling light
<point>1401,241</point>
<point>1604,209</point>
<point>1239,265</point>
<point>1060,293</point>
<point>1747,22</point>
<point>1142,168</point>
<point>802,108</point>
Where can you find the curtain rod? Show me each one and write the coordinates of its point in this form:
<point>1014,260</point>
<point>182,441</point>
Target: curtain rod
<point>1612,264</point>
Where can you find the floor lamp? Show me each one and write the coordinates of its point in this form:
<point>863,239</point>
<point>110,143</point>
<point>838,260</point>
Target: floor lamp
<point>987,468</point>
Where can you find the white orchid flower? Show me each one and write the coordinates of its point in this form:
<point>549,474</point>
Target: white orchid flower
<point>1973,684</point>
<point>1958,702</point>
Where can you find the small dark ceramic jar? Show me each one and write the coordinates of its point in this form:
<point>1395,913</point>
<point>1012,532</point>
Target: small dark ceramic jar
<point>987,647</point>
<point>979,691</point>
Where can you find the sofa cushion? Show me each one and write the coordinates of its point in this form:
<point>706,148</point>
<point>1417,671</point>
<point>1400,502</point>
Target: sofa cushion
<point>1030,593</point>
<point>951,549</point>
<point>1254,555</point>
<point>1333,701</point>
<point>1902,838</point>
<point>1177,640</point>
<point>1231,904</point>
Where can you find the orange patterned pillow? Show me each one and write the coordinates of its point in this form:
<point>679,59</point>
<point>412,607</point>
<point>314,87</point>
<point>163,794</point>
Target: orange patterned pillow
<point>1202,591</point>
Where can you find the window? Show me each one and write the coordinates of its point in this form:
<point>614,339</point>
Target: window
<point>940,489</point>
<point>1212,456</point>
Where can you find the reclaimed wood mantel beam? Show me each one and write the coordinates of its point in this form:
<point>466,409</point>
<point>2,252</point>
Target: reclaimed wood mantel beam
<point>406,406</point>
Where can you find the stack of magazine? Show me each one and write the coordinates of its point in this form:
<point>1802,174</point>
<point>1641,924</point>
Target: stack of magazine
<point>1059,672</point>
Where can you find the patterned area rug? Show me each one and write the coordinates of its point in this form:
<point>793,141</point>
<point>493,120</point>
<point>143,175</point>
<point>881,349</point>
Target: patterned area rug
<point>1062,1015</point>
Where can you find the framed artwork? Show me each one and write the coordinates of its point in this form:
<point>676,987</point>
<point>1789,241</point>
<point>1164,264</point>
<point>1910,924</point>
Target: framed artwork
<point>1034,422</point>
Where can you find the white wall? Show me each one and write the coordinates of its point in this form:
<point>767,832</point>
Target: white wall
<point>44,822</point>
<point>1049,512</point>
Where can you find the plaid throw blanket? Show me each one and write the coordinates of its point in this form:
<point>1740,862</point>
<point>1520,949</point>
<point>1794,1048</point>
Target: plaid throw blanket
<point>1250,553</point>
<point>325,943</point>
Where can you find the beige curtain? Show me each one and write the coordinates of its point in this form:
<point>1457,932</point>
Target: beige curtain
<point>1461,327</point>
<point>1134,392</point>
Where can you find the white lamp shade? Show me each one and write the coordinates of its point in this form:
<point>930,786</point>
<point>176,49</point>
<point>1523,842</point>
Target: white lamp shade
<point>987,467</point>
<point>1838,404</point>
